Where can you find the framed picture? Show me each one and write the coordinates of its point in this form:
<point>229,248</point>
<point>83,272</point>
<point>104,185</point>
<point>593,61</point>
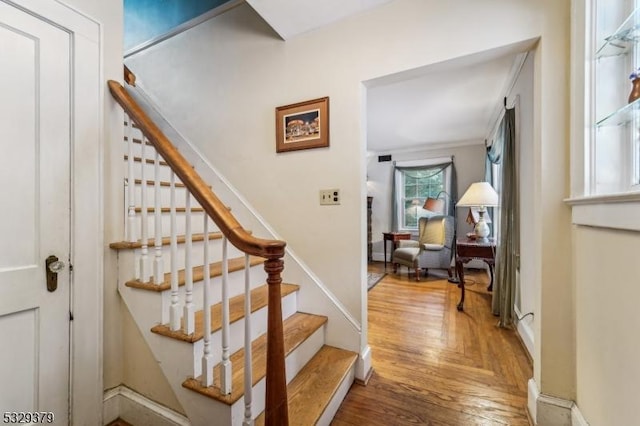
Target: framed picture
<point>303,125</point>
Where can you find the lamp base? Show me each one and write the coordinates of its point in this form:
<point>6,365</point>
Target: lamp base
<point>482,229</point>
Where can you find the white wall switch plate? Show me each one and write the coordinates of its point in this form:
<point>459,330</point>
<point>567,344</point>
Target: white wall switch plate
<point>329,197</point>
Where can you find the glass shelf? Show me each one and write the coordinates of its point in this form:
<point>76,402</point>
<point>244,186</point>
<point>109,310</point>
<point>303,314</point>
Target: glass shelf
<point>622,116</point>
<point>625,37</point>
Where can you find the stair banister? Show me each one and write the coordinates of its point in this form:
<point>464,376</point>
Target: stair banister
<point>276,410</point>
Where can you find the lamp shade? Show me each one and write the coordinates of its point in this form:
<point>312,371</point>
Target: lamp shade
<point>479,194</point>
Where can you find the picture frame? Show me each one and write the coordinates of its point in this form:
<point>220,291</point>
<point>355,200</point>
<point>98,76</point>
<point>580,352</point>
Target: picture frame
<point>303,125</point>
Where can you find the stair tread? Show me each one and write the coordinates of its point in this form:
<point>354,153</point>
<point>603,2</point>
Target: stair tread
<point>162,183</point>
<point>147,160</point>
<point>259,297</point>
<point>297,328</point>
<point>215,270</point>
<point>311,391</point>
<point>168,209</point>
<point>128,245</point>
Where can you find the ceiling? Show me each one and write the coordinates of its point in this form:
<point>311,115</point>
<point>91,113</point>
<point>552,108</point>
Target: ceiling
<point>453,102</point>
<point>289,18</point>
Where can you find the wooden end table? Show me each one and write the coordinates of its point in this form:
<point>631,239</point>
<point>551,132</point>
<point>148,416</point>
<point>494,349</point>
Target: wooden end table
<point>394,237</point>
<point>467,250</point>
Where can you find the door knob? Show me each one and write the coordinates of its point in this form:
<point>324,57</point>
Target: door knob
<point>53,266</point>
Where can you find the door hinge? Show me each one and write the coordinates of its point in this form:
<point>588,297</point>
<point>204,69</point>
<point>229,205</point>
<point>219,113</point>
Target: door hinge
<point>70,267</point>
<point>70,316</point>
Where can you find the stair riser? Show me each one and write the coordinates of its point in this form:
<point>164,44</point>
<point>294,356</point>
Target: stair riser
<point>159,302</point>
<point>197,254</point>
<point>236,341</point>
<point>236,287</point>
<point>336,401</point>
<point>293,364</point>
<point>202,410</point>
<point>164,172</point>
<point>165,196</point>
<point>197,224</point>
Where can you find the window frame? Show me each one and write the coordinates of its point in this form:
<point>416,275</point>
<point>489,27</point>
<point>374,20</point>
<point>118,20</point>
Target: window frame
<point>611,208</point>
<point>400,208</point>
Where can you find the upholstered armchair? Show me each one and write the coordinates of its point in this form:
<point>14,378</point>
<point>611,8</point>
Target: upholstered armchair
<point>434,248</point>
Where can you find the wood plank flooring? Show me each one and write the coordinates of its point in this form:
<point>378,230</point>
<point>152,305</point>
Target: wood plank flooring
<point>434,365</point>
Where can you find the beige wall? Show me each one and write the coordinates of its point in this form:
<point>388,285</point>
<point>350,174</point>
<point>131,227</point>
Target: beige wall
<point>220,82</point>
<point>607,323</point>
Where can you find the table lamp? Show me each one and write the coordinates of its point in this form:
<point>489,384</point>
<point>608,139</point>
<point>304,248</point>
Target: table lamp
<point>481,195</point>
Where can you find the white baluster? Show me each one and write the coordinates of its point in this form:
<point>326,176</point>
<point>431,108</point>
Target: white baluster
<point>158,267</point>
<point>225,372</point>
<point>174,312</point>
<point>189,308</point>
<point>131,194</point>
<point>207,357</point>
<point>248,371</point>
<point>145,273</point>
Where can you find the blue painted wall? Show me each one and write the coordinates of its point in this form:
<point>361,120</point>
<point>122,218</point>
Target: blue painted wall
<point>148,19</point>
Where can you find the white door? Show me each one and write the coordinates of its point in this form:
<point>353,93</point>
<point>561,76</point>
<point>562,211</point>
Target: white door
<point>34,214</point>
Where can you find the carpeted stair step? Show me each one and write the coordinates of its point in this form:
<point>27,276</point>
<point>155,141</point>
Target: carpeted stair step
<point>297,328</point>
<point>311,391</point>
<point>259,298</point>
<point>215,270</point>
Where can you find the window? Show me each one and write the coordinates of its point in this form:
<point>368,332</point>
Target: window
<point>613,144</point>
<point>605,129</point>
<point>414,184</point>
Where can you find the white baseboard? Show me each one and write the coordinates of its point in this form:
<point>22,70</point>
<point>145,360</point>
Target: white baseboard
<point>525,331</point>
<point>576,417</point>
<point>363,365</point>
<point>548,410</point>
<point>130,406</point>
<point>532,396</point>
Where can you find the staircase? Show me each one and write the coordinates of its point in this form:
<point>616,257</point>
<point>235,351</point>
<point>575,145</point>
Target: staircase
<point>209,300</point>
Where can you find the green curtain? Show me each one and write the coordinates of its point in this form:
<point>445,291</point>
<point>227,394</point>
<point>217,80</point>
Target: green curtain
<point>504,287</point>
<point>435,168</point>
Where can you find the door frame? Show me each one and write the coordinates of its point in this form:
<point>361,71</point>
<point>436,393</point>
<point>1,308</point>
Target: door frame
<point>87,153</point>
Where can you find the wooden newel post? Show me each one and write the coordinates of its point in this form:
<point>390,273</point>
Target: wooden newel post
<point>276,409</point>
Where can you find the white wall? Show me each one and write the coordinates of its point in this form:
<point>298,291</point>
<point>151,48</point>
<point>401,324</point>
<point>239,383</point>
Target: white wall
<point>220,82</point>
<point>469,162</point>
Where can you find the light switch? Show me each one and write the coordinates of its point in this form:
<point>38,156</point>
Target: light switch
<point>329,197</point>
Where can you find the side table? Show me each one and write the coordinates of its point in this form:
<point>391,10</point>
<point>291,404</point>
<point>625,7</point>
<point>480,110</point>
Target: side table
<point>394,237</point>
<point>467,250</point>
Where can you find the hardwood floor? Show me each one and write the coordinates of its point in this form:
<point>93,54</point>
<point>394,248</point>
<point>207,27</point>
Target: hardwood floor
<point>434,365</point>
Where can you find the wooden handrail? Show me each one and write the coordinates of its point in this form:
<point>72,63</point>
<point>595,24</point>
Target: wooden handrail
<point>217,211</point>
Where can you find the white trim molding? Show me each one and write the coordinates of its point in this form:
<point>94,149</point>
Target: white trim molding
<point>550,410</point>
<point>128,405</point>
<point>363,365</point>
<point>525,331</point>
<point>576,417</point>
